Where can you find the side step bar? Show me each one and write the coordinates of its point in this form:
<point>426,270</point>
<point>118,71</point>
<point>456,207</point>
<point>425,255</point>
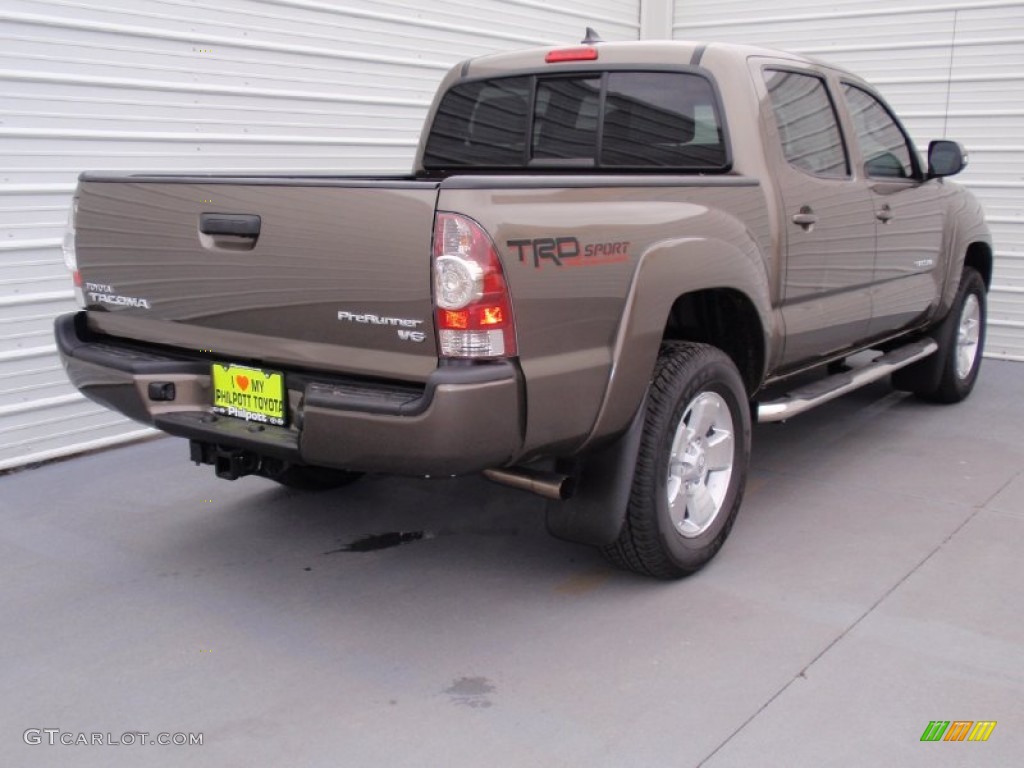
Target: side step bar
<point>807,397</point>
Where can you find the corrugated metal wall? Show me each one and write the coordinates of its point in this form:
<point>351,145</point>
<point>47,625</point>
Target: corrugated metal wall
<point>950,69</point>
<point>207,85</point>
<point>316,85</point>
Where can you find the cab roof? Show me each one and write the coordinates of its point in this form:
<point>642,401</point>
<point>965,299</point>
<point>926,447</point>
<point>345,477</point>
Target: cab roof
<point>658,53</point>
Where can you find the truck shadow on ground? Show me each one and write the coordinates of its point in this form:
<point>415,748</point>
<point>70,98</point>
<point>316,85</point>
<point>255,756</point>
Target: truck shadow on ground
<point>465,557</point>
<point>470,526</point>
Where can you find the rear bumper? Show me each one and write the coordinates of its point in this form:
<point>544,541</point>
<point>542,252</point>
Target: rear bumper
<point>463,419</point>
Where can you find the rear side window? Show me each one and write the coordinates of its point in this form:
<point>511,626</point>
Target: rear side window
<point>807,123</point>
<point>618,120</point>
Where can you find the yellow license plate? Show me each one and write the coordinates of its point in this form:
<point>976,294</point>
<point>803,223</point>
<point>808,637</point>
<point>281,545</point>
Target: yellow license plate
<point>249,393</point>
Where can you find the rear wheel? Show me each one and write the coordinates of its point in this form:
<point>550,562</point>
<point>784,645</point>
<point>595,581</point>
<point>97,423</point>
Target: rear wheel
<point>692,466</point>
<point>306,478</point>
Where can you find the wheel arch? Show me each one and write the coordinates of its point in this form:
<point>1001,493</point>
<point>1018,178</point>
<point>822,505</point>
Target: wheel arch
<point>979,257</point>
<point>677,283</point>
<point>969,244</point>
<point>724,318</point>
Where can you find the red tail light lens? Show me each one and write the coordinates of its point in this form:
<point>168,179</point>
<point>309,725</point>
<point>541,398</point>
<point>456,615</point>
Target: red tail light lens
<point>571,54</point>
<point>70,256</point>
<point>472,307</point>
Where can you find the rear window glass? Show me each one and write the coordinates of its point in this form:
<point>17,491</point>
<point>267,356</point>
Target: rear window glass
<point>661,120</point>
<point>565,118</point>
<point>482,123</point>
<point>616,120</point>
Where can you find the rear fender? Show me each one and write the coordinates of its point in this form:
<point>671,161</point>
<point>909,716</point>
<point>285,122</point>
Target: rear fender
<point>668,270</point>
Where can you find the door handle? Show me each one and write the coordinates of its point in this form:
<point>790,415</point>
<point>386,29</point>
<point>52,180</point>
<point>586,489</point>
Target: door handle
<point>885,214</point>
<point>805,218</point>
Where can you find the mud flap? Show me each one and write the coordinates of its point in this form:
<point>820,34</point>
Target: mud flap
<point>924,375</point>
<point>597,509</point>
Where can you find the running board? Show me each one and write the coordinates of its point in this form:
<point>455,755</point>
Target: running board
<point>814,394</point>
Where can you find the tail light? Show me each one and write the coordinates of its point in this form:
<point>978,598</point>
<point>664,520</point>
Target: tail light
<point>473,312</point>
<point>70,256</point>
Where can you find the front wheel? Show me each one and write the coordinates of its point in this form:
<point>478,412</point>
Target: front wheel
<point>961,340</point>
<point>692,465</point>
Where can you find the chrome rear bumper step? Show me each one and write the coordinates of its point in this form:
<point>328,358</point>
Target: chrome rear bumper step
<point>814,394</point>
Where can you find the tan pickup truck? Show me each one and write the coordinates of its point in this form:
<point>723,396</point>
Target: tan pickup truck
<point>603,257</point>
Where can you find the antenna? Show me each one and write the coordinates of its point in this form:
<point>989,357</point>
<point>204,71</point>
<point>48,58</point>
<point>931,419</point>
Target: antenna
<point>592,37</point>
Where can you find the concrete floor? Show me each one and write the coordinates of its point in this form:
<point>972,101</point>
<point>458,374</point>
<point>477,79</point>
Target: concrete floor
<point>873,582</point>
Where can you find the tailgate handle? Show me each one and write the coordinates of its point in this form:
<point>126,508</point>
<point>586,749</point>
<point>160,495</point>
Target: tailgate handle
<point>237,224</point>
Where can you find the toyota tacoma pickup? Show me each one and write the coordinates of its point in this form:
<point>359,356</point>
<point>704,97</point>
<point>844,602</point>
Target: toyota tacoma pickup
<point>608,260</point>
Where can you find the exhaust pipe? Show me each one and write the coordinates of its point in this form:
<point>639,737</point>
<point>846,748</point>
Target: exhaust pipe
<point>550,485</point>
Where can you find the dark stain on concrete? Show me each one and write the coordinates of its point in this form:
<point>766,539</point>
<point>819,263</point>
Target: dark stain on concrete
<point>377,541</point>
<point>471,692</point>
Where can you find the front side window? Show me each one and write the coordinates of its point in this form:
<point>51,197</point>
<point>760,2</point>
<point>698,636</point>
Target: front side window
<point>886,151</point>
<point>807,123</point>
<point>614,120</point>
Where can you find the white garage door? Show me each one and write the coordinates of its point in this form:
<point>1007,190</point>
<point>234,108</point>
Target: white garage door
<point>206,85</point>
<point>950,69</point>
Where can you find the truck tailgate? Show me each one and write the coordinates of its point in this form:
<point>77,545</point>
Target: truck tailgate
<point>325,273</point>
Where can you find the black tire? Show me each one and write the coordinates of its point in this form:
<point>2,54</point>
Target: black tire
<point>956,336</point>
<point>658,538</point>
<point>306,478</point>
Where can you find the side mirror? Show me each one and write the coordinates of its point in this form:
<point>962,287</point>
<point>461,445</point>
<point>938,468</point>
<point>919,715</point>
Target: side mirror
<point>945,158</point>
